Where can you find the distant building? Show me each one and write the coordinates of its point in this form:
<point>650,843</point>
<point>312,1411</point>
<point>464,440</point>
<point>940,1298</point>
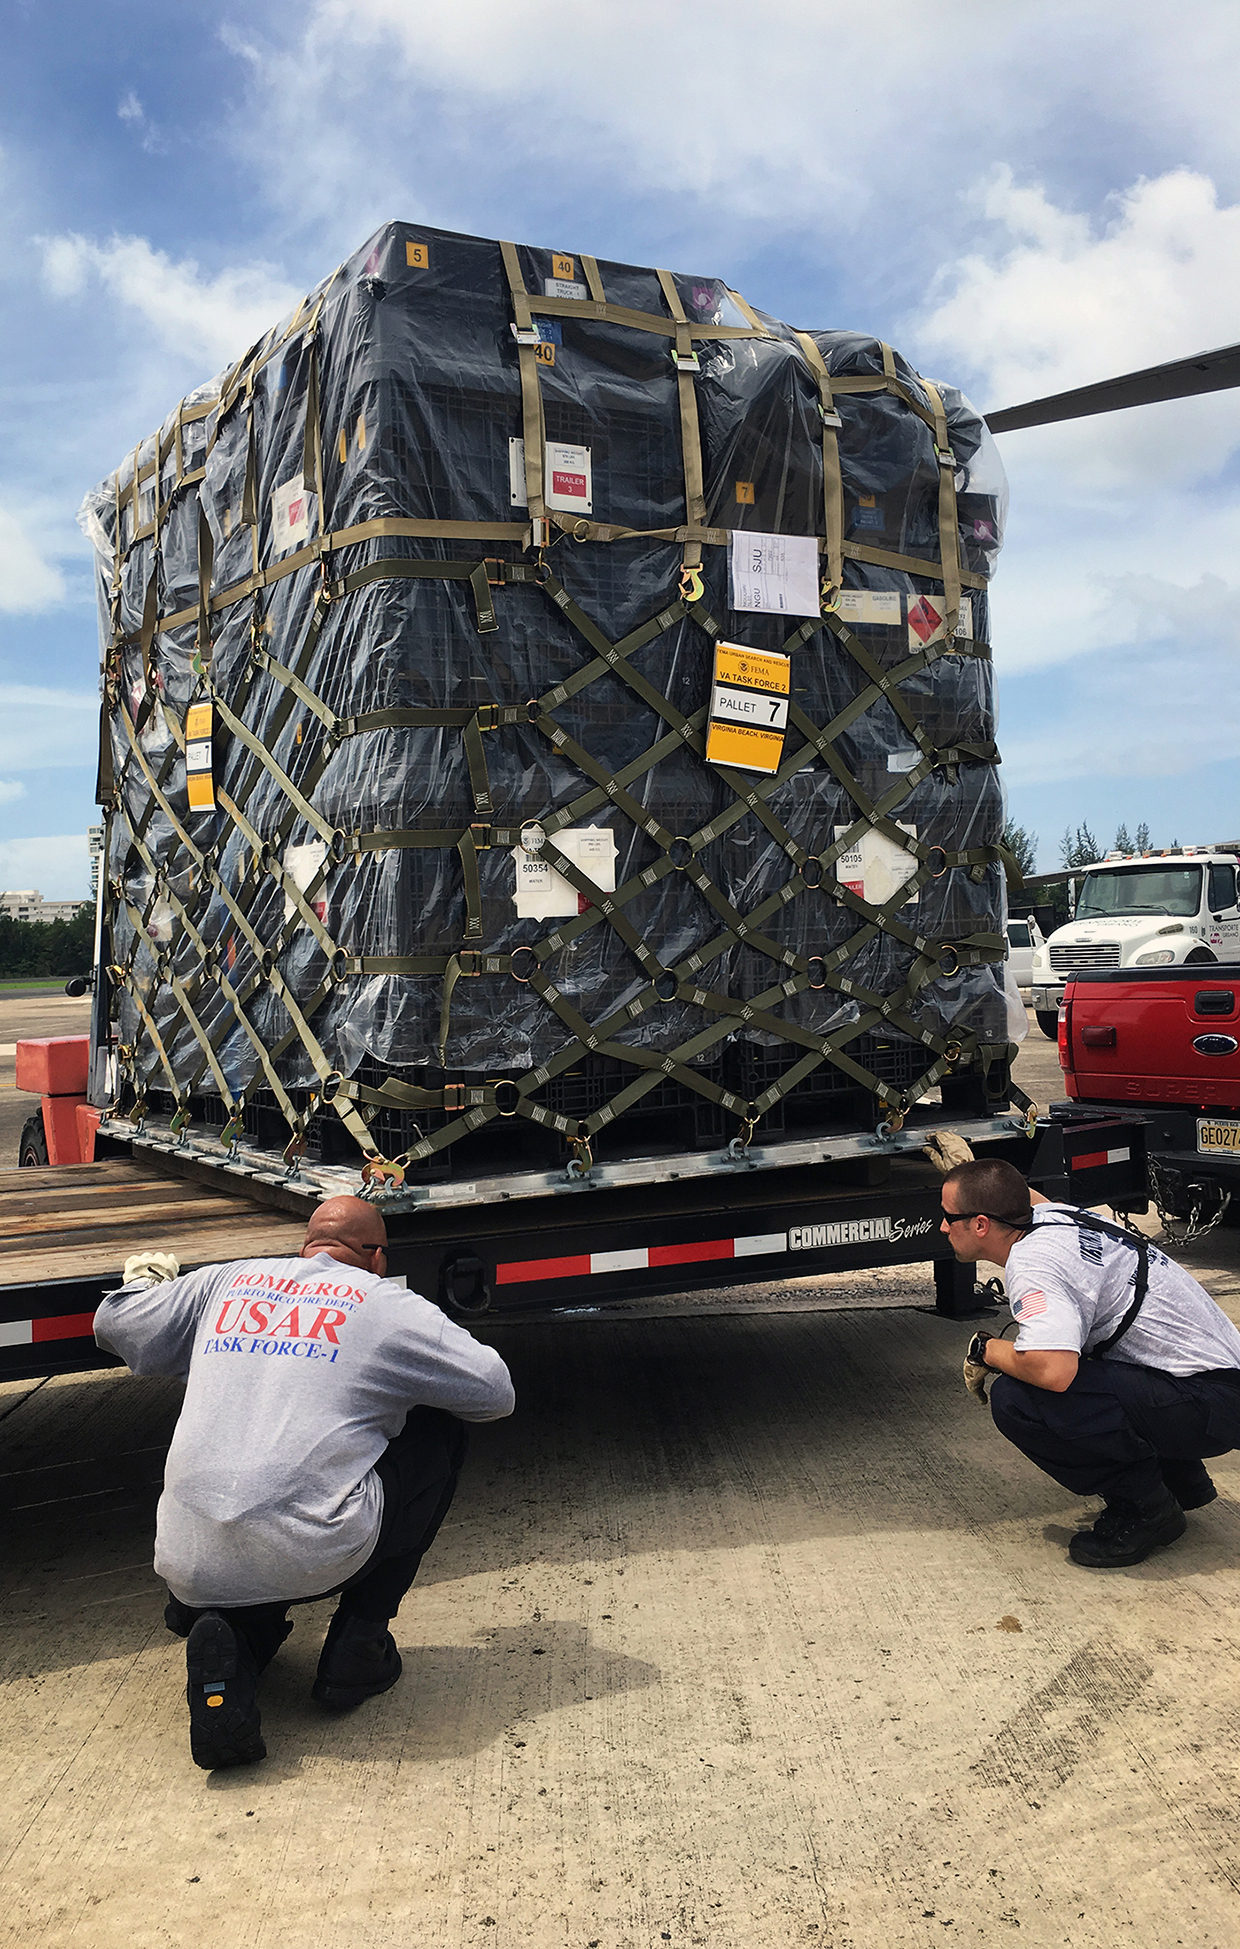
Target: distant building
<point>94,841</point>
<point>29,904</point>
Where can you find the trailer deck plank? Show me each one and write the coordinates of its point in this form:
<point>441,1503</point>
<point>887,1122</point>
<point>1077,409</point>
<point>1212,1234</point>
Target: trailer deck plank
<point>84,1220</point>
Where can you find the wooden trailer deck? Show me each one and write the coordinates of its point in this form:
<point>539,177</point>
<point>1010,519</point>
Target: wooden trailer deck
<point>82,1221</point>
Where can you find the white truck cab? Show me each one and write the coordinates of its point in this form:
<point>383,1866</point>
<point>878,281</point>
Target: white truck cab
<point>1144,910</point>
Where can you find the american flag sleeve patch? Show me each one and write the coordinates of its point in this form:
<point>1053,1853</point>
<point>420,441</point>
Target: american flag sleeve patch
<point>1029,1305</point>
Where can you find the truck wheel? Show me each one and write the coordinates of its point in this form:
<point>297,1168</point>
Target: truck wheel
<point>33,1146</point>
<point>1198,955</point>
<point>1048,1022</point>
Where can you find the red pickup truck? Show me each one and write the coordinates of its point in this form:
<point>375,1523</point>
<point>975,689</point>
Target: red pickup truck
<point>1166,1042</point>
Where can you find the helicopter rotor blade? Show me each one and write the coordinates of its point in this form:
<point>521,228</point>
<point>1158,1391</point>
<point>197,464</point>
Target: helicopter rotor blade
<point>1206,372</point>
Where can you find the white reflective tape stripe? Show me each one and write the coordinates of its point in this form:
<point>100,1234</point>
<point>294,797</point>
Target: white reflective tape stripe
<point>16,1333</point>
<point>633,1261</point>
<point>1118,1156</point>
<point>747,1248</point>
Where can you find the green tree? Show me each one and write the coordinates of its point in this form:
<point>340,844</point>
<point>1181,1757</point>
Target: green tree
<point>1023,847</point>
<point>47,947</point>
<point>1141,839</point>
<point>1124,843</point>
<point>1079,849</point>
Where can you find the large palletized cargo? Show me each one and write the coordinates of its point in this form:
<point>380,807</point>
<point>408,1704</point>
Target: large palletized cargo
<point>548,715</point>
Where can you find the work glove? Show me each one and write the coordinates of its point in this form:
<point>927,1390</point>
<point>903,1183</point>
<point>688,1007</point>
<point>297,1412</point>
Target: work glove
<point>976,1372</point>
<point>946,1149</point>
<point>150,1268</point>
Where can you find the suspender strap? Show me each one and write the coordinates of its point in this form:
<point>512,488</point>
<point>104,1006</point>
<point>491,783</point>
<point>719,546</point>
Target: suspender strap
<point>1141,1246</point>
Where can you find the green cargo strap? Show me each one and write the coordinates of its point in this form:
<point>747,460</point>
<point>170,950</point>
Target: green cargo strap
<point>531,390</point>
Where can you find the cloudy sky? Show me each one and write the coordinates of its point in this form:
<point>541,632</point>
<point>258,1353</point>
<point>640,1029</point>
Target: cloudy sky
<point>1021,197</point>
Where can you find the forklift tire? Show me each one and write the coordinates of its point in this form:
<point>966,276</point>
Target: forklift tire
<point>1048,1022</point>
<point>32,1149</point>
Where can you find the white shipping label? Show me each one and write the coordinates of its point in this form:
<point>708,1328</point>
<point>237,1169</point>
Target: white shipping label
<point>872,606</point>
<point>749,707</point>
<point>567,477</point>
<point>302,863</point>
<point>543,894</point>
<point>774,573</point>
<point>874,867</point>
<point>290,515</point>
<point>562,287</point>
<point>198,755</point>
<point>902,760</point>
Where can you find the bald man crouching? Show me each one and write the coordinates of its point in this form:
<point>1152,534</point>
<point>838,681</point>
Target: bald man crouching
<point>317,1451</point>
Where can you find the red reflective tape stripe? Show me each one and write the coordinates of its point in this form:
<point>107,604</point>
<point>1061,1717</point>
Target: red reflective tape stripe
<point>69,1326</point>
<point>715,1248</point>
<point>520,1271</point>
<point>1091,1162</point>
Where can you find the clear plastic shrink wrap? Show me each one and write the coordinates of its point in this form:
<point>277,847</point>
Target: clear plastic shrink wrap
<point>449,555</point>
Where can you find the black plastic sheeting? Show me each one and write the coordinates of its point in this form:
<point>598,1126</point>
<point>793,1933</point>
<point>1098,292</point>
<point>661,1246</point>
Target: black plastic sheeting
<point>419,398</point>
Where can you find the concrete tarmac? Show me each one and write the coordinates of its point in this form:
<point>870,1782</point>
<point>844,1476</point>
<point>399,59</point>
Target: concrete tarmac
<point>50,1012</point>
<point>689,1603</point>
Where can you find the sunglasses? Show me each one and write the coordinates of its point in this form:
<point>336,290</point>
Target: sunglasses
<point>954,1217</point>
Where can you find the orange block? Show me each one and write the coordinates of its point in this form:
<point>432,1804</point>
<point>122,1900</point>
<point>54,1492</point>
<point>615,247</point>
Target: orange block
<point>60,1127</point>
<point>54,1065</point>
<point>87,1124</point>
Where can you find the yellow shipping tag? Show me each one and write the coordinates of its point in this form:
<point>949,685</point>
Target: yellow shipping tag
<point>752,669</point>
<point>563,267</point>
<point>544,352</point>
<point>744,493</point>
<point>746,749</point>
<point>748,708</point>
<point>417,257</point>
<point>199,758</point>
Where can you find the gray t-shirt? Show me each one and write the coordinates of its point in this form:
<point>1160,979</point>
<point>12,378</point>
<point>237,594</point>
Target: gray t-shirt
<point>298,1373</point>
<point>1070,1287</point>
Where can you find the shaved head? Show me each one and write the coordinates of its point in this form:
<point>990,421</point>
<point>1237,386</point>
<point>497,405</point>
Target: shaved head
<point>349,1229</point>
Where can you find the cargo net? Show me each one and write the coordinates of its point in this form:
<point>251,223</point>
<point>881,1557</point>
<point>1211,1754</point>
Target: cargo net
<point>231,925</point>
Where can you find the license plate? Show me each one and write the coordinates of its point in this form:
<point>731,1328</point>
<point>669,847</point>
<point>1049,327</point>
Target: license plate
<point>1218,1134</point>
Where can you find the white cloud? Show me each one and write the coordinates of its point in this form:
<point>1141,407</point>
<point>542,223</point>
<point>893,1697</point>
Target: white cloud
<point>1057,301</point>
<point>59,867</point>
<point>130,108</point>
<point>202,318</point>
<point>42,728</point>
<point>28,581</point>
<point>857,130</point>
<point>10,789</point>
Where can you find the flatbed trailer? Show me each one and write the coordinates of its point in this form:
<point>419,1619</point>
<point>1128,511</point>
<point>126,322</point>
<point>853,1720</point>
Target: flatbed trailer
<point>507,1247</point>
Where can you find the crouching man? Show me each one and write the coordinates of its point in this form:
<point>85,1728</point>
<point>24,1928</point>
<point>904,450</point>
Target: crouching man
<point>317,1451</point>
<point>1124,1373</point>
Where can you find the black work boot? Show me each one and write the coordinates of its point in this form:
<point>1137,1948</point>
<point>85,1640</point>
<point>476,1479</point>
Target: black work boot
<point>1188,1482</point>
<point>224,1727</point>
<point>1117,1513</point>
<point>359,1659</point>
<point>180,1618</point>
<point>1128,1532</point>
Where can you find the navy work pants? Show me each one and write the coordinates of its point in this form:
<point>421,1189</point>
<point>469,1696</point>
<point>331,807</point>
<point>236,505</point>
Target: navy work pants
<point>419,1469</point>
<point>1121,1430</point>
